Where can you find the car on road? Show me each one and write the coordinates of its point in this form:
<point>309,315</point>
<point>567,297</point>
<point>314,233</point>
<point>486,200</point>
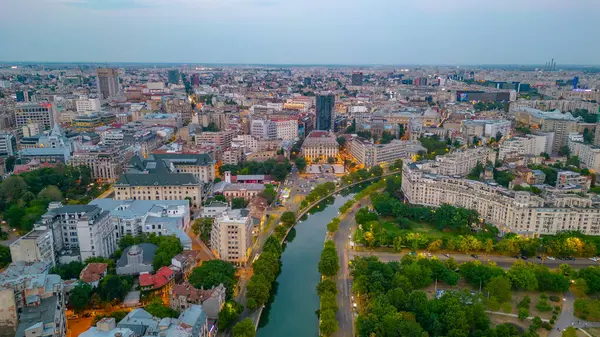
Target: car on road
<point>539,257</point>
<point>74,317</point>
<point>550,258</point>
<point>524,257</point>
<point>447,255</point>
<point>595,258</point>
<point>475,256</point>
<point>570,258</point>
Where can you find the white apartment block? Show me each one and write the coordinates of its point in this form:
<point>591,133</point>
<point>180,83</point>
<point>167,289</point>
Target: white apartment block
<point>231,236</point>
<point>524,145</point>
<point>42,114</point>
<point>510,211</point>
<point>286,129</point>
<point>320,145</point>
<point>84,228</point>
<point>461,162</point>
<point>35,246</point>
<point>105,163</point>
<point>588,154</point>
<point>220,138</point>
<point>369,154</point>
<point>8,144</point>
<point>249,142</point>
<point>263,129</point>
<point>566,179</point>
<point>84,104</point>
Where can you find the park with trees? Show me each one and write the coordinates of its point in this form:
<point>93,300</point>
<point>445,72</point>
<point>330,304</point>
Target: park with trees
<point>278,170</point>
<point>396,298</point>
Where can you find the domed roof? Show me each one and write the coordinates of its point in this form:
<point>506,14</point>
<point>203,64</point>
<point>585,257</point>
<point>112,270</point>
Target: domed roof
<point>135,250</point>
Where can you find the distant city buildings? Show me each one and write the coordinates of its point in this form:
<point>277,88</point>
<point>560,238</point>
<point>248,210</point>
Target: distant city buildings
<point>108,82</point>
<point>325,112</point>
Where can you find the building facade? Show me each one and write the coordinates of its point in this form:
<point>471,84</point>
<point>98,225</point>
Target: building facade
<point>325,104</point>
<point>320,145</point>
<point>368,154</point>
<point>519,212</point>
<point>108,82</point>
<point>231,236</point>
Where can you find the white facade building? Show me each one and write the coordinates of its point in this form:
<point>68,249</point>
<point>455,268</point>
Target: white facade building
<point>231,236</point>
<point>286,129</point>
<point>85,104</point>
<point>525,145</point>
<point>320,145</point>
<point>519,212</point>
<point>460,163</point>
<point>369,154</point>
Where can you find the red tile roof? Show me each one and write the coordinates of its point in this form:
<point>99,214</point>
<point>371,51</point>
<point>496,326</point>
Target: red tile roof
<point>93,272</point>
<point>160,279</point>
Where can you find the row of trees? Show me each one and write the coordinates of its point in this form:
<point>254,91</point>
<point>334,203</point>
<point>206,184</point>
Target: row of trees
<point>328,268</point>
<point>265,268</point>
<point>279,170</point>
<point>212,273</point>
<point>393,305</point>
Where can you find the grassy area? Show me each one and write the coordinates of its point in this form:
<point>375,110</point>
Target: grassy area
<point>588,309</point>
<point>422,227</point>
<point>517,296</point>
<point>593,331</point>
<point>521,325</point>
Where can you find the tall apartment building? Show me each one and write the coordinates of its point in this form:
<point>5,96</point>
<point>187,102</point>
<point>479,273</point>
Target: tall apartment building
<point>8,144</point>
<point>263,129</point>
<point>325,104</point>
<point>85,104</point>
<point>106,163</point>
<point>35,246</point>
<point>33,302</point>
<point>83,228</point>
<point>561,124</point>
<point>42,114</point>
<point>461,162</point>
<point>179,106</point>
<point>518,212</point>
<point>368,154</point>
<point>220,138</point>
<point>173,76</point>
<point>108,82</point>
<point>231,236</point>
<point>320,145</point>
<point>588,154</point>
<point>286,129</point>
<point>525,145</point>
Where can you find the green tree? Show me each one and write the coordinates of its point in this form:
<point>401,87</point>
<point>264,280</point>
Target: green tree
<point>269,193</point>
<point>5,257</point>
<point>376,171</point>
<point>237,203</point>
<point>258,290</point>
<point>523,313</point>
<point>12,188</point>
<point>229,313</point>
<point>80,296</point>
<point>114,287</point>
<point>329,324</point>
<point>244,328</point>
<point>158,309</point>
<point>499,287</point>
<point>333,226</point>
<point>10,163</point>
<point>564,150</point>
<point>341,141</point>
<point>522,276</point>
<point>212,273</point>
<point>288,218</point>
<point>300,163</point>
<point>68,271</point>
<point>51,193</point>
<point>329,262</point>
<point>326,285</point>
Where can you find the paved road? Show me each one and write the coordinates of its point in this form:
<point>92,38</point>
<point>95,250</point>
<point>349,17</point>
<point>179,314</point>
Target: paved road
<point>344,283</point>
<point>500,260</point>
<point>567,318</point>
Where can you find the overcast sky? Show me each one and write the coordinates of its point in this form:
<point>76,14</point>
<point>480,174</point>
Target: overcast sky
<point>302,31</point>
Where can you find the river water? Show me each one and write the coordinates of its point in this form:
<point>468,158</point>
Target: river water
<point>292,313</point>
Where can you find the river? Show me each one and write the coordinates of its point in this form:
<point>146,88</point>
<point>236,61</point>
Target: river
<point>292,313</point>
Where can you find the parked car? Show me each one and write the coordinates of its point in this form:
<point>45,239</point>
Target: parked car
<point>475,256</point>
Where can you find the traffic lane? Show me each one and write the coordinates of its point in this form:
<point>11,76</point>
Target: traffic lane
<point>502,261</point>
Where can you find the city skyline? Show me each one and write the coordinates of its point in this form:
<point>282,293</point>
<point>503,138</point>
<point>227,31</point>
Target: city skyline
<point>310,32</point>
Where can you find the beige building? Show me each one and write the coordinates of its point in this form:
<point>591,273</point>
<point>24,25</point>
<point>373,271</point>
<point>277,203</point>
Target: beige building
<point>105,163</point>
<point>525,145</point>
<point>368,154</point>
<point>231,236</point>
<point>510,211</point>
<point>220,138</point>
<point>35,246</point>
<point>159,186</point>
<point>320,145</point>
<point>461,162</point>
<point>561,124</point>
<point>588,154</point>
